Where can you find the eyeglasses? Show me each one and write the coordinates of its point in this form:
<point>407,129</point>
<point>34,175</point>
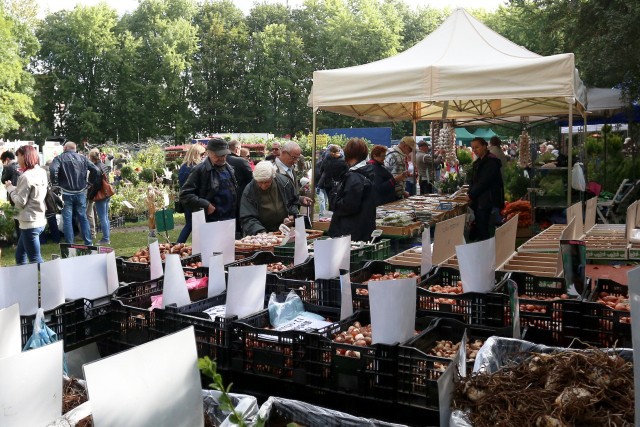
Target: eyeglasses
<point>292,156</point>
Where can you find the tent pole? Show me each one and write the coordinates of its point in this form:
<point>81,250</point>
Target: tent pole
<point>313,164</point>
<point>569,152</point>
<point>584,145</point>
<point>416,180</point>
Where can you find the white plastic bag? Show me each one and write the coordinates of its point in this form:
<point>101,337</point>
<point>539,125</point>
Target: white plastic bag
<point>577,178</point>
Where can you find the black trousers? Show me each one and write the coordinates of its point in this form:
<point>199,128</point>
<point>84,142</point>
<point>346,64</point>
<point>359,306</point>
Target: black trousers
<point>425,186</point>
<point>480,230</point>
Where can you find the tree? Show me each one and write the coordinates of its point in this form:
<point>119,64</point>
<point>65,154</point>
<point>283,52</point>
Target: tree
<point>17,44</point>
<point>75,53</point>
<point>219,68</point>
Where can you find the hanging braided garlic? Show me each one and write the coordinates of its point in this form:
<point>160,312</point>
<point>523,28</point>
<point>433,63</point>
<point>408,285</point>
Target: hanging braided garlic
<point>524,153</point>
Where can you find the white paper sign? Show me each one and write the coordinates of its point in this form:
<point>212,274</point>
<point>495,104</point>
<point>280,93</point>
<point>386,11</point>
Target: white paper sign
<point>393,310</point>
<point>51,289</point>
<point>246,289</point>
<point>346,302</point>
<point>10,333</point>
<point>197,219</point>
<point>446,237</point>
<point>155,260</point>
<point>633,280</point>
<point>446,387</point>
<point>219,236</point>
<point>506,240</point>
<point>138,388</point>
<point>303,323</point>
<point>31,392</point>
<point>570,230</point>
<point>425,260</point>
<point>112,273</point>
<point>330,256</point>
<point>217,311</point>
<point>631,219</point>
<point>301,252</point>
<point>175,289</point>
<point>217,283</point>
<point>477,263</point>
<point>590,215</point>
<point>19,284</point>
<point>84,277</point>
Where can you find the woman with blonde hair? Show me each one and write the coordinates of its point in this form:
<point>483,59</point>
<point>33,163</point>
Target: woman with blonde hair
<point>28,195</point>
<point>191,159</point>
<point>102,206</point>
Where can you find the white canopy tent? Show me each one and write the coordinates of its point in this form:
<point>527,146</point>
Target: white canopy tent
<point>461,70</point>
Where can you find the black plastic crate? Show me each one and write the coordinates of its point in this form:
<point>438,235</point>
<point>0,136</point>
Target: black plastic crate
<point>262,351</point>
<point>213,336</point>
<point>129,271</point>
<point>543,308</point>
<point>325,292</point>
<point>419,370</point>
<point>132,326</point>
<point>359,287</point>
<point>473,308</point>
<point>602,325</point>
<point>57,320</point>
<point>92,322</point>
<point>116,222</point>
<point>366,371</point>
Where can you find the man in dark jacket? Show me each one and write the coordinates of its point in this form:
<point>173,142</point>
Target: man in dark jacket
<point>486,190</point>
<point>212,185</point>
<point>242,172</point>
<point>10,167</point>
<point>355,207</point>
<point>331,171</point>
<point>69,172</point>
<point>268,201</point>
<point>291,153</point>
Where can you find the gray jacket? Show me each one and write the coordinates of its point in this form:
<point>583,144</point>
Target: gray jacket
<point>250,204</point>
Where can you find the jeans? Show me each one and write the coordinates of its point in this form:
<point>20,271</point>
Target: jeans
<point>186,230</point>
<point>28,248</point>
<point>75,204</point>
<point>102,207</point>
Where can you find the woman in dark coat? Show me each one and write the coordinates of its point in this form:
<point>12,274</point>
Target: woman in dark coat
<point>354,207</point>
<point>486,189</point>
<point>331,171</point>
<point>383,181</point>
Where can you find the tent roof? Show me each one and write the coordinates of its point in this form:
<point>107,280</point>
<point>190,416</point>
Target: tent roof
<point>485,133</point>
<point>463,133</point>
<point>462,67</point>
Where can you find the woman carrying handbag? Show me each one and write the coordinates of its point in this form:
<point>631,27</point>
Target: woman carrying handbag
<point>101,196</point>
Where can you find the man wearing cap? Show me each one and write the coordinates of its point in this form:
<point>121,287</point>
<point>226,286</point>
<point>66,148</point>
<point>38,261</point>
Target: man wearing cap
<point>211,185</point>
<point>425,163</point>
<point>269,200</point>
<point>397,162</point>
<point>242,172</point>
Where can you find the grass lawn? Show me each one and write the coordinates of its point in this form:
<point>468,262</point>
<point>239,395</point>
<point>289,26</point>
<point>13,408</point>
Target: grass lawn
<point>125,240</point>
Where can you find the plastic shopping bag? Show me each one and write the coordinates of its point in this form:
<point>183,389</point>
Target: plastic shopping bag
<point>42,335</point>
<point>577,178</point>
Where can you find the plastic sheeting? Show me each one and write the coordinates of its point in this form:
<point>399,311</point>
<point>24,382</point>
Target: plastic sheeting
<point>314,416</point>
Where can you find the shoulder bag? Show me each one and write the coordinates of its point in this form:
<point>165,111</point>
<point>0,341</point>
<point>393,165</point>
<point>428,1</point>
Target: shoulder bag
<point>105,191</point>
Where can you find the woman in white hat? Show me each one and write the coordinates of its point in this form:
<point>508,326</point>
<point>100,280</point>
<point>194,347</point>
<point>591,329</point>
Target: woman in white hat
<point>268,201</point>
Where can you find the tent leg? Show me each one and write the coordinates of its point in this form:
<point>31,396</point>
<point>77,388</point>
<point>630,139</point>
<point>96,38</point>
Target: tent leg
<point>569,155</point>
<point>312,186</point>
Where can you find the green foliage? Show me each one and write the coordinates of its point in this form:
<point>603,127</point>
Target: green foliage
<point>152,157</point>
<point>209,368</point>
<point>147,175</point>
<point>129,174</point>
<point>7,224</point>
<point>464,156</point>
<point>515,183</point>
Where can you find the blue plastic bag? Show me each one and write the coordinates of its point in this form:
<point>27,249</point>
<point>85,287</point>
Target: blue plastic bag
<point>283,312</point>
<point>42,335</point>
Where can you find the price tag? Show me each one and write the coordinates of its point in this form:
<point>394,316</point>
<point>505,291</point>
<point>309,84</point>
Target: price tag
<point>374,235</point>
<point>286,232</point>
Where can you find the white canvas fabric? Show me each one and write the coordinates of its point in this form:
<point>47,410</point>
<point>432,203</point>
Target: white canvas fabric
<point>479,72</point>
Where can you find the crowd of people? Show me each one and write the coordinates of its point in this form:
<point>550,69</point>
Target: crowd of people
<point>223,180</point>
<point>79,180</point>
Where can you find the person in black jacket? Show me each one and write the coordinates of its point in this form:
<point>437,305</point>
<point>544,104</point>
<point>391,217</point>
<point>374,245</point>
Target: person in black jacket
<point>69,171</point>
<point>486,190</point>
<point>242,172</point>
<point>384,184</point>
<point>354,208</point>
<point>10,167</point>
<point>331,171</point>
<point>211,185</point>
<point>268,201</point>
